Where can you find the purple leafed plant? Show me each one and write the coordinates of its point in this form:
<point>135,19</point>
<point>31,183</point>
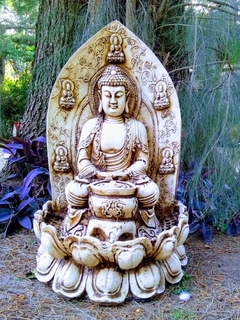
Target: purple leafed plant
<point>206,206</point>
<point>27,187</point>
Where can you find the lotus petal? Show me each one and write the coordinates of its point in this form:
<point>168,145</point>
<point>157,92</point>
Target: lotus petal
<point>70,279</point>
<point>166,244</point>
<point>183,231</point>
<point>181,253</point>
<point>129,254</point>
<point>51,242</point>
<point>172,269</point>
<point>107,285</point>
<point>147,280</point>
<point>46,266</point>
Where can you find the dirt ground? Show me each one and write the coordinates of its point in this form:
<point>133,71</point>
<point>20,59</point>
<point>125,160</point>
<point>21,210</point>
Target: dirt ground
<point>212,278</point>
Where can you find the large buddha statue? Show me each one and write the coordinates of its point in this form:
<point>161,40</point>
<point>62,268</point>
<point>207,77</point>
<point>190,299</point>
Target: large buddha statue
<point>114,162</point>
<point>113,146</point>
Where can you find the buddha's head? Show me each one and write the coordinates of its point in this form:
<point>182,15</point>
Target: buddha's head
<point>113,91</point>
<point>115,40</point>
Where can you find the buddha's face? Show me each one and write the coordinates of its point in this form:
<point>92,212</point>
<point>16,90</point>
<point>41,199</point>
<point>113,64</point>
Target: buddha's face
<point>113,100</point>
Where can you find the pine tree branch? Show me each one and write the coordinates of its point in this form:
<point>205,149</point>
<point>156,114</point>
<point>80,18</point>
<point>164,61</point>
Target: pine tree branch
<point>18,27</point>
<point>161,10</point>
<point>221,3</point>
<point>208,6</point>
<point>196,66</point>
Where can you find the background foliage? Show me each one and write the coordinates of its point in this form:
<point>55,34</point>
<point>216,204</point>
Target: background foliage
<point>17,39</point>
<point>198,43</point>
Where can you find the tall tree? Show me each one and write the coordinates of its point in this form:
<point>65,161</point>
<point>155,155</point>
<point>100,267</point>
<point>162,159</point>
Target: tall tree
<point>57,29</point>
<point>64,25</point>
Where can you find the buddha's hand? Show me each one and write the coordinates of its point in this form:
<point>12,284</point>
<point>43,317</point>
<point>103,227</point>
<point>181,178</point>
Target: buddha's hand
<point>104,175</point>
<point>120,175</point>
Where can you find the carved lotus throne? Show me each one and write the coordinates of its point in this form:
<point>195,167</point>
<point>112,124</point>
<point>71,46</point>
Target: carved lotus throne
<point>98,250</point>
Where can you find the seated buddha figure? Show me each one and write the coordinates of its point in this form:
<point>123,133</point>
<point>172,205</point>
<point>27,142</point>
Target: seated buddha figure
<point>115,53</point>
<point>113,146</point>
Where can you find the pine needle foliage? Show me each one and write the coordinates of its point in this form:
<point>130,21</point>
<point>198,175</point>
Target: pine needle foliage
<point>209,98</point>
<point>199,45</point>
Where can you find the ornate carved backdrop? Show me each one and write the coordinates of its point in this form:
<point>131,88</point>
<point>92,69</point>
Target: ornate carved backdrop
<point>72,103</point>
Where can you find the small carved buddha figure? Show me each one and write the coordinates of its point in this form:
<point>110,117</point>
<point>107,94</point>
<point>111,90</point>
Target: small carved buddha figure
<point>166,165</point>
<point>61,161</point>
<point>113,146</point>
<point>161,100</point>
<point>67,100</point>
<point>115,53</point>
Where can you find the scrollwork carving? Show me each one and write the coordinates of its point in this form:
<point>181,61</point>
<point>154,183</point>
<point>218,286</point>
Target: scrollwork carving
<point>169,126</point>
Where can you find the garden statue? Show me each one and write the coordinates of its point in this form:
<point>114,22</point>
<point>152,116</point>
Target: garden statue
<point>115,157</point>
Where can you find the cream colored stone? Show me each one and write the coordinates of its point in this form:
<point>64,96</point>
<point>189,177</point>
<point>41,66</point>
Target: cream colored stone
<point>114,135</point>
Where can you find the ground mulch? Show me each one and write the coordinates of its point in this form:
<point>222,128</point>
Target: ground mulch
<point>212,278</point>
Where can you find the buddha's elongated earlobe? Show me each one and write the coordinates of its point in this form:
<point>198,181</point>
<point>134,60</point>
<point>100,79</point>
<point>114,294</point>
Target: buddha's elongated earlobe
<point>126,106</point>
<point>100,108</point>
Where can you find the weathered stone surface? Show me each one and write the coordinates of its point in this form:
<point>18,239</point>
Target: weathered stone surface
<point>114,133</point>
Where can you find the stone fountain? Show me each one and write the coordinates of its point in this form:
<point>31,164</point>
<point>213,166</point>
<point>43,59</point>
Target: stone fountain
<point>114,134</point>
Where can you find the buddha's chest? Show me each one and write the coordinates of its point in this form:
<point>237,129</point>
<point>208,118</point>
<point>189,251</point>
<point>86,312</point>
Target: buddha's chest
<point>112,137</point>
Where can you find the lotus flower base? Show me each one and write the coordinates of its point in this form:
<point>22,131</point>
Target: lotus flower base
<point>78,260</point>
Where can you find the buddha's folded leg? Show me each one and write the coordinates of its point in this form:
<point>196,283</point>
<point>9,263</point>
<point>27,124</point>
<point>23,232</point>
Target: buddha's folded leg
<point>148,194</point>
<point>77,194</point>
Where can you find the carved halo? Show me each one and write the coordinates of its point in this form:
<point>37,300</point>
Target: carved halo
<point>159,83</point>
<point>64,148</point>
<point>65,82</point>
<point>164,151</point>
<point>116,35</point>
<point>134,89</point>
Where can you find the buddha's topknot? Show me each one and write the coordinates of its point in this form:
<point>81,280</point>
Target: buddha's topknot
<point>113,76</point>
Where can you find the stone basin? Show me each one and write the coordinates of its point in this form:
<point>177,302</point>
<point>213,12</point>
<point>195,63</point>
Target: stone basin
<point>113,199</point>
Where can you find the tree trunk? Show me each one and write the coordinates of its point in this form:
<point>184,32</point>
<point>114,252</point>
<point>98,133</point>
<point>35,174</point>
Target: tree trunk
<point>58,28</point>
<point>56,31</point>
<point>2,71</point>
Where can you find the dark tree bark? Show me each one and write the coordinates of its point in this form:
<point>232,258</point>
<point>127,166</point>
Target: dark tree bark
<point>63,23</point>
<point>57,26</point>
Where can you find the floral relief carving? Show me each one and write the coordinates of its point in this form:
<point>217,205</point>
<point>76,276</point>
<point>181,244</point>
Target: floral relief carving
<point>59,182</point>
<point>113,208</point>
<point>169,126</point>
<point>116,27</point>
